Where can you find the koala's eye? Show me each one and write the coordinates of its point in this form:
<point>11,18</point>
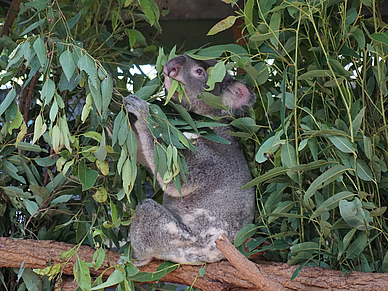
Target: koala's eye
<point>199,72</point>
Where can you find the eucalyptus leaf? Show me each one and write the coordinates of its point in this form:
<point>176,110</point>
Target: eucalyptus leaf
<point>324,179</point>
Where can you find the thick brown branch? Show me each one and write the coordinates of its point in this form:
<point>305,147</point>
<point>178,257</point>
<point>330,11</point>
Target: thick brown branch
<point>248,270</point>
<point>25,102</point>
<point>219,276</point>
<point>11,15</point>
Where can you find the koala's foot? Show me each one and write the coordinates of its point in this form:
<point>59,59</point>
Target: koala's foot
<point>156,233</point>
<point>136,106</point>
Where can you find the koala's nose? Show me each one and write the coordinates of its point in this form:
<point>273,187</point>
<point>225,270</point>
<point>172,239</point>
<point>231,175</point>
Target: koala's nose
<point>173,67</point>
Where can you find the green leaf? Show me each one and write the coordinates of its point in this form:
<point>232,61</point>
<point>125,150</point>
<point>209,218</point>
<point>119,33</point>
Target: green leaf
<point>358,120</point>
<point>354,214</point>
<point>385,263</point>
<point>380,37</point>
<point>150,88</point>
<point>73,21</point>
<point>115,278</point>
<point>281,210</point>
<point>67,62</point>
<point>101,195</point>
<point>217,74</point>
<point>359,36</point>
<point>216,51</point>
<point>356,248</point>
<point>315,74</point>
<point>185,115</point>
<point>113,214</point>
<point>247,124</point>
<point>7,100</point>
<point>263,73</point>
<point>213,101</point>
<point>222,25</point>
<point>64,128</point>
<point>324,179</point>
<point>53,111</point>
<point>87,176</point>
<point>274,24</point>
<point>289,160</point>
<point>33,281</point>
<point>40,50</point>
<point>117,125</point>
<point>48,91</point>
<point>166,268</point>
<point>33,26</point>
<point>248,15</point>
<point>351,16</point>
<point>347,239</point>
<point>261,36</point>
<point>311,166</point>
<point>268,147</point>
<point>363,171</point>
<point>61,199</point>
<point>24,146</point>
<point>31,206</point>
<point>368,149</point>
<point>82,275</point>
<point>148,10</point>
<point>332,202</point>
<point>265,6</point>
<point>245,233</point>
<point>102,152</point>
<point>96,94</point>
<point>211,135</point>
<point>21,270</point>
<point>11,170</point>
<point>67,255</point>
<point>50,271</point>
<point>107,91</point>
<point>273,173</point>
<point>341,142</point>
<point>98,258</point>
<point>305,246</point>
<point>87,64</point>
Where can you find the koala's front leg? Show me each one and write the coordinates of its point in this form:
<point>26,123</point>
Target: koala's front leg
<point>140,110</point>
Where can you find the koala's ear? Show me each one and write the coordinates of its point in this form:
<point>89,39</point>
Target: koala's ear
<point>237,95</point>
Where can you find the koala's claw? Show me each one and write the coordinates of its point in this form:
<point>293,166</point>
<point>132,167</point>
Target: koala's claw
<point>136,106</point>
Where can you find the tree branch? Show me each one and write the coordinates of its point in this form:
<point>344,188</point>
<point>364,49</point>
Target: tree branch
<point>11,15</point>
<point>219,276</point>
<point>248,270</point>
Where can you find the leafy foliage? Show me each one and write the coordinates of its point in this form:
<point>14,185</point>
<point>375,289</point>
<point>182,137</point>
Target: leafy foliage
<point>315,140</point>
<point>320,69</point>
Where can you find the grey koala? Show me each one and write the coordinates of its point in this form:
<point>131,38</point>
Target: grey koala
<point>185,227</point>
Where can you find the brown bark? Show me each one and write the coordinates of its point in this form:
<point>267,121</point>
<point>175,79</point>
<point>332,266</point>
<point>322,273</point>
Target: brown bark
<point>11,15</point>
<point>248,270</point>
<point>219,276</point>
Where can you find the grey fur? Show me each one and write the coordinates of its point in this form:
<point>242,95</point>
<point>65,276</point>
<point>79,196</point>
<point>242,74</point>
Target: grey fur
<point>184,229</point>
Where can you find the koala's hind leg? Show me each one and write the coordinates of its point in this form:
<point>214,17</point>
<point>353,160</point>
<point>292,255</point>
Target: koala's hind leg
<point>156,233</point>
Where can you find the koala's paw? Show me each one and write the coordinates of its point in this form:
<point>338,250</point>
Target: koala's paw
<point>136,106</point>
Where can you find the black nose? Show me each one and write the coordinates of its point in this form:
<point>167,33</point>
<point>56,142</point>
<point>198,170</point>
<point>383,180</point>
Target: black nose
<point>173,67</point>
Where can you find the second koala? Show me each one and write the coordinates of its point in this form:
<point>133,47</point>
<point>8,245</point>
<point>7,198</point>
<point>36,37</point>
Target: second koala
<point>185,227</point>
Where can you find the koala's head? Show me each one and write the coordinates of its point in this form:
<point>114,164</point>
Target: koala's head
<point>193,74</point>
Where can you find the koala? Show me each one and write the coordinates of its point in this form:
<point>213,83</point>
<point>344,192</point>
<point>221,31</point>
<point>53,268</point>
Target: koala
<point>184,228</point>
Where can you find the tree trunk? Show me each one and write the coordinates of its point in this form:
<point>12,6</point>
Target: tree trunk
<point>239,274</point>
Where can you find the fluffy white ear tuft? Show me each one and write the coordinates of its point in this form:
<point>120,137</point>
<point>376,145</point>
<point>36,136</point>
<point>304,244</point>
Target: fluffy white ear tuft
<point>237,96</point>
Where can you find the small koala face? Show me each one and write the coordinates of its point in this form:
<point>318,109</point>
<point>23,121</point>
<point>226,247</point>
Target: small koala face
<point>194,75</point>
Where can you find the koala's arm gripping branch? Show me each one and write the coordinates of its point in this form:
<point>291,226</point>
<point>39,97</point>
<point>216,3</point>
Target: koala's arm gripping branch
<point>248,270</point>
